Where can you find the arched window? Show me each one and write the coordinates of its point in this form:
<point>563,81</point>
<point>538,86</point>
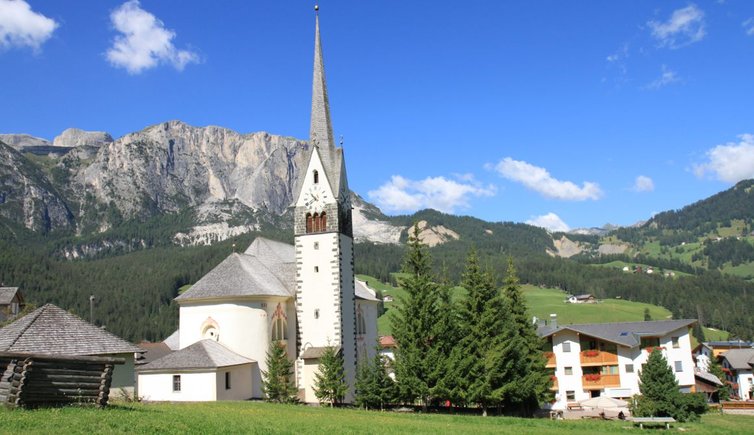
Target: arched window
<point>315,227</point>
<point>210,329</point>
<point>323,222</point>
<point>361,325</point>
<point>279,330</point>
<point>309,228</point>
<point>316,176</point>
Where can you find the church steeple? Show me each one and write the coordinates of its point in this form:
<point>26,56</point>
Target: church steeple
<point>320,132</point>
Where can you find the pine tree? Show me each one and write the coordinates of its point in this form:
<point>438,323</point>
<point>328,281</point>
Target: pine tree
<point>532,381</point>
<point>414,324</point>
<point>723,391</point>
<point>658,386</point>
<point>479,360</point>
<point>277,381</point>
<point>647,315</point>
<point>374,388</point>
<point>329,381</point>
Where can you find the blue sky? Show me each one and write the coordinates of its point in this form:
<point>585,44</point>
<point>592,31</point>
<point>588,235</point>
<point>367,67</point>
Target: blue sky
<point>563,114</point>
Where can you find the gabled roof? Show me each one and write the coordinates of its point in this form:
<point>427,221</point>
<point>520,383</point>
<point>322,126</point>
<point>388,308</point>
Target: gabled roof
<point>708,377</point>
<point>364,292</point>
<point>204,354</point>
<point>153,351</point>
<point>740,359</point>
<point>7,294</point>
<point>731,343</point>
<point>174,340</point>
<point>52,330</point>
<point>267,268</point>
<point>624,333</point>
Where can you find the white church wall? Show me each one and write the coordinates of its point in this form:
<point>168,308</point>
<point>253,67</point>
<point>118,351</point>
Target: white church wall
<point>240,382</point>
<point>195,387</point>
<point>366,343</point>
<point>243,327</point>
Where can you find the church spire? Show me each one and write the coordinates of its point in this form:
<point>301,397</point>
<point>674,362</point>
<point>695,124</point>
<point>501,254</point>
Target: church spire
<point>320,132</point>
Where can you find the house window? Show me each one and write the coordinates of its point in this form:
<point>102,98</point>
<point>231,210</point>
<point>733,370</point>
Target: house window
<point>316,176</point>
<point>650,342</point>
<point>570,395</point>
<point>629,368</point>
<point>678,366</point>
<point>227,380</point>
<point>176,383</point>
<point>569,370</point>
<point>676,345</point>
<point>609,370</point>
<point>567,346</point>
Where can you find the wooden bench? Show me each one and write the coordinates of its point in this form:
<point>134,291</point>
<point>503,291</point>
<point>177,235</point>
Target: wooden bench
<point>574,406</point>
<point>653,421</point>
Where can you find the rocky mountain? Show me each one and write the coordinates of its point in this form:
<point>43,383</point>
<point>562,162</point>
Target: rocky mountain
<point>73,137</point>
<point>20,141</point>
<point>27,196</point>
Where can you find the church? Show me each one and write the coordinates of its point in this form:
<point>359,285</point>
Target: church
<point>306,296</point>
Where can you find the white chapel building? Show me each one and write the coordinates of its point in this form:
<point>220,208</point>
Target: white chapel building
<point>304,295</point>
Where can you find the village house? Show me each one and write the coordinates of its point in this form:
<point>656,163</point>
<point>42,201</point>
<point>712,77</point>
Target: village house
<point>303,296</point>
<point>738,365</point>
<point>50,330</point>
<point>590,360</point>
<point>11,303</point>
<point>704,352</point>
<point>581,299</point>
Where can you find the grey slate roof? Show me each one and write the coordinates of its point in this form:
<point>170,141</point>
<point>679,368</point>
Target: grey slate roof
<point>7,294</point>
<point>204,354</point>
<point>707,376</point>
<point>174,340</point>
<point>52,330</point>
<point>740,359</point>
<point>731,343</point>
<point>624,333</point>
<point>316,352</point>
<point>364,292</point>
<point>267,268</point>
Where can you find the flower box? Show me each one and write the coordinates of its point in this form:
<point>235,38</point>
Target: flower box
<point>591,353</point>
<point>595,377</point>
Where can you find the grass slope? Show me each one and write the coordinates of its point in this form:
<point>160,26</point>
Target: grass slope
<point>545,301</point>
<point>256,417</point>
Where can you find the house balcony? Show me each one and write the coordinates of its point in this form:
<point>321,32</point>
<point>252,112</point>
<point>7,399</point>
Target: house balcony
<point>598,382</point>
<point>554,385</point>
<point>598,358</point>
<point>551,362</point>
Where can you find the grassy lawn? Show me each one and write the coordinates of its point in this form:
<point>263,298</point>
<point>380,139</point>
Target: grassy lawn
<point>256,417</point>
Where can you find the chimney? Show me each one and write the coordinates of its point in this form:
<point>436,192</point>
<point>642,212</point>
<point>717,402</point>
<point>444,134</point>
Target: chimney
<point>554,320</point>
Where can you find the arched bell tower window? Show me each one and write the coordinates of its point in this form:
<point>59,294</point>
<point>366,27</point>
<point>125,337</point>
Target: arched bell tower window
<point>323,221</point>
<point>361,326</point>
<point>309,223</point>
<point>316,176</point>
<point>315,227</point>
<point>279,325</point>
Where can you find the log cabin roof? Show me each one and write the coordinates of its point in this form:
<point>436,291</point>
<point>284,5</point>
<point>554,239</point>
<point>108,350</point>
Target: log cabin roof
<point>51,330</point>
<point>7,294</point>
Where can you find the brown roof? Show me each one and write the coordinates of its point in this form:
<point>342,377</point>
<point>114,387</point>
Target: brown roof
<point>387,341</point>
<point>50,330</point>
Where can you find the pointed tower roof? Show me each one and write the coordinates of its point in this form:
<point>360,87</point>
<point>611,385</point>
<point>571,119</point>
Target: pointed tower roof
<point>320,131</point>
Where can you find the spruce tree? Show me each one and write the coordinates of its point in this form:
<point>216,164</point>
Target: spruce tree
<point>658,386</point>
<point>374,388</point>
<point>532,381</point>
<point>414,324</point>
<point>479,360</point>
<point>723,391</point>
<point>277,383</point>
<point>329,381</point>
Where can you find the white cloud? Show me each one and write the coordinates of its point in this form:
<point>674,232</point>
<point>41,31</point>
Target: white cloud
<point>403,195</point>
<point>731,162</point>
<point>22,27</point>
<point>144,41</point>
<point>549,221</point>
<point>749,26</point>
<point>539,180</point>
<point>643,184</point>
<point>685,26</point>
<point>667,77</point>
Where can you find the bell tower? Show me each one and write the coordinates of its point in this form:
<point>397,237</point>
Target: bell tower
<point>324,245</point>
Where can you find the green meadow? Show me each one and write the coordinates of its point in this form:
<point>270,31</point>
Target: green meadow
<point>266,418</point>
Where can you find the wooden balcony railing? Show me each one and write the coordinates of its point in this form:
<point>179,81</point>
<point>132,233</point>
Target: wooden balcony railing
<point>598,358</point>
<point>554,385</point>
<point>597,381</point>
<point>550,359</point>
